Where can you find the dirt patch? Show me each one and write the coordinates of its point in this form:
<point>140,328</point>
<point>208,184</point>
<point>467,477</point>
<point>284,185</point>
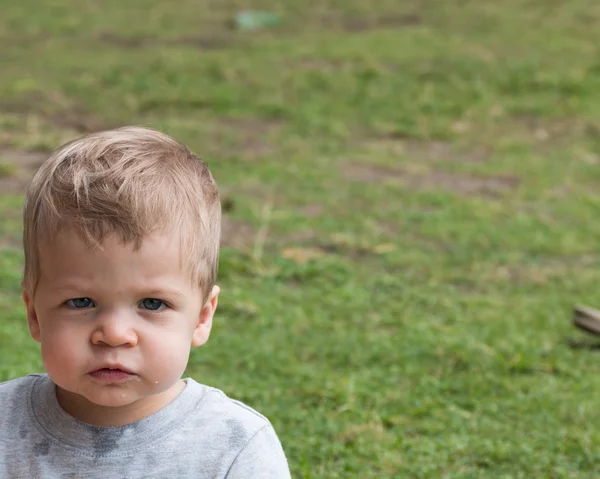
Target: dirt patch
<point>303,252</point>
<point>7,244</point>
<point>442,151</point>
<point>388,228</point>
<point>312,211</point>
<point>78,120</point>
<point>10,242</point>
<point>547,129</point>
<point>427,150</point>
<point>23,165</point>
<point>469,185</point>
<point>121,41</point>
<point>56,110</point>
<point>232,195</point>
<point>543,134</point>
<point>29,161</point>
<point>213,42</point>
<point>353,251</point>
<point>538,271</point>
<point>246,137</point>
<point>237,234</point>
<point>399,20</point>
<point>22,104</point>
<point>298,237</point>
<point>13,185</point>
<point>466,184</point>
<point>307,244</point>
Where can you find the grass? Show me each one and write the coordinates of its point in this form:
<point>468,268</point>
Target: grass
<point>412,205</point>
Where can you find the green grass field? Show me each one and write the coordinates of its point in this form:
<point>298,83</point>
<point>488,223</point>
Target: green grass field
<point>411,195</point>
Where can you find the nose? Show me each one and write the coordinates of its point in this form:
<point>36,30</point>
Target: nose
<point>114,329</point>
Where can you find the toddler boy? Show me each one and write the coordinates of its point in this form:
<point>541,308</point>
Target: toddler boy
<point>121,239</point>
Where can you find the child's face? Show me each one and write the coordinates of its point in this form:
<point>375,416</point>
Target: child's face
<point>116,326</point>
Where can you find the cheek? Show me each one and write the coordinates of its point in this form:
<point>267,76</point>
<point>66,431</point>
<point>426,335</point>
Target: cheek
<point>167,354</point>
<point>61,345</point>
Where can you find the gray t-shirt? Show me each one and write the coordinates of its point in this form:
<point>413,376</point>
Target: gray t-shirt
<point>201,434</point>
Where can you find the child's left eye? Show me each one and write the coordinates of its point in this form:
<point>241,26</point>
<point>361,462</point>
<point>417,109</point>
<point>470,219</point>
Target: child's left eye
<point>152,304</point>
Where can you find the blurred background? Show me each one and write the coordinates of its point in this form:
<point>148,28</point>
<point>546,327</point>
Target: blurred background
<point>410,196</point>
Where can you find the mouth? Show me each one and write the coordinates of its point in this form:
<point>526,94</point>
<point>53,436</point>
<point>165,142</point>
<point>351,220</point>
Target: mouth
<point>112,375</point>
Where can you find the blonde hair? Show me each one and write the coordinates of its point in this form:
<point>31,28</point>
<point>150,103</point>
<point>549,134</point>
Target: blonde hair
<point>131,182</point>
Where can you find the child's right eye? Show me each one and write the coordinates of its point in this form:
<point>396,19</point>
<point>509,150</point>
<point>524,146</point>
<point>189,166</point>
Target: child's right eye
<point>80,303</point>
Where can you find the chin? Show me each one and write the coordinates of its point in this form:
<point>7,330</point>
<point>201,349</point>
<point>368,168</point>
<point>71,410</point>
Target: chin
<point>116,398</point>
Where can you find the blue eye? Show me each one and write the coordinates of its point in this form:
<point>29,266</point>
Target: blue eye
<point>152,304</point>
<point>80,303</point>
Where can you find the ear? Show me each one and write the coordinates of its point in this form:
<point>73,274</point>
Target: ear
<point>32,320</point>
<point>202,331</point>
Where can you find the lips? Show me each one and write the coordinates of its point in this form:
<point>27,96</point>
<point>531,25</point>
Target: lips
<point>114,374</point>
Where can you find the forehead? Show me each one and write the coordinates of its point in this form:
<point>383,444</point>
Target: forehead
<point>69,255</point>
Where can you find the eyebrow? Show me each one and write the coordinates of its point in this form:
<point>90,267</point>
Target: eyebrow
<point>148,293</point>
<point>160,292</point>
<point>67,287</point>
